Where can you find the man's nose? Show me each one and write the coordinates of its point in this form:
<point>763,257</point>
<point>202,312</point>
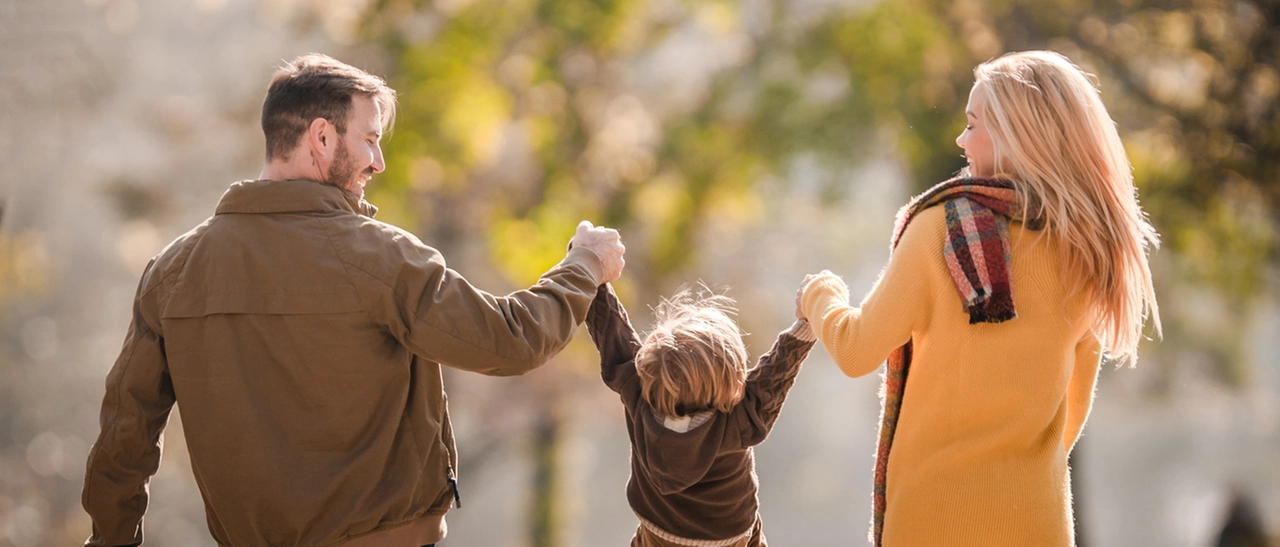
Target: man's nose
<point>379,164</point>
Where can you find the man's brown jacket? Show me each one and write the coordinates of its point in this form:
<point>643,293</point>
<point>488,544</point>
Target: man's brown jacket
<point>303,342</point>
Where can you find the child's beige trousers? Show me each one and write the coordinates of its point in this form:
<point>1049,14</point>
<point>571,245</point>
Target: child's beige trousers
<point>647,538</point>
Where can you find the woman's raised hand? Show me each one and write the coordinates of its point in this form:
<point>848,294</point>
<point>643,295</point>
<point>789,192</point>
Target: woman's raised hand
<point>800,292</point>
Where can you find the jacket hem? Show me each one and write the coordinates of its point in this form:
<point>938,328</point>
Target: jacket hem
<point>422,530</point>
<point>686,542</point>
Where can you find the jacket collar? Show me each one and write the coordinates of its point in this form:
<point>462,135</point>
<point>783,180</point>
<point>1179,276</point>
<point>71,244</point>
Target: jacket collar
<point>290,196</point>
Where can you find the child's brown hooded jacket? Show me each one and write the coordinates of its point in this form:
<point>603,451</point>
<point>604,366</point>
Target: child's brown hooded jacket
<point>699,484</point>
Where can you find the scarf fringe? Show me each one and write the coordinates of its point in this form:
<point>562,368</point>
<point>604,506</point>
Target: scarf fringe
<point>998,308</point>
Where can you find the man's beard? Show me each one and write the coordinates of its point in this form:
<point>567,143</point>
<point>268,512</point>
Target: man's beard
<point>342,173</point>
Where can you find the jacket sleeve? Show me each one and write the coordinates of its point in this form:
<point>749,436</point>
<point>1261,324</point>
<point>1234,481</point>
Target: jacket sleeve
<point>613,335</point>
<point>135,409</point>
<point>1084,377</point>
<point>437,314</point>
<point>769,382</point>
<point>860,338</point>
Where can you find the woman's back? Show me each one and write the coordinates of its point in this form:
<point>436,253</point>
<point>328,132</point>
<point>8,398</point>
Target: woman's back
<point>994,338</point>
<point>991,409</point>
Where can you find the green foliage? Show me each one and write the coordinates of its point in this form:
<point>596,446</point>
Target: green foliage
<point>903,67</point>
<point>548,81</point>
<point>521,116</point>
<point>1193,86</point>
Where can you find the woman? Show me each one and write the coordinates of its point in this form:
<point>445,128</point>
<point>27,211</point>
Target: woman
<point>1004,288</point>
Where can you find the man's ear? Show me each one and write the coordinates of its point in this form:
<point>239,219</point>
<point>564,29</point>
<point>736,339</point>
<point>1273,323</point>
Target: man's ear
<point>322,136</point>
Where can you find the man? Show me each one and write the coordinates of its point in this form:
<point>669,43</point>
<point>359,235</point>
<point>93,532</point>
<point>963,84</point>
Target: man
<point>304,340</point>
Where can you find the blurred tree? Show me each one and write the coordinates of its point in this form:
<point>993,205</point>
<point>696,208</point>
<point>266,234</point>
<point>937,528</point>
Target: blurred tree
<point>519,117</point>
<point>1193,85</point>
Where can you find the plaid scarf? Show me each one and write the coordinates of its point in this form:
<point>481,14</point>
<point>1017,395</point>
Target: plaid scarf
<point>978,211</point>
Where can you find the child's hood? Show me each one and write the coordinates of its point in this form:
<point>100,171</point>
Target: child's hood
<point>674,460</point>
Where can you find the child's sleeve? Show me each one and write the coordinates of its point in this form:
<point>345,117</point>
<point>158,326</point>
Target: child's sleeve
<point>769,382</point>
<point>615,339</point>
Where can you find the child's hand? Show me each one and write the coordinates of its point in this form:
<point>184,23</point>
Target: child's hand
<point>800,296</point>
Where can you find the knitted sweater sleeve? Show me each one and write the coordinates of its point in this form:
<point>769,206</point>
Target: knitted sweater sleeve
<point>1084,377</point>
<point>615,339</point>
<point>860,338</point>
<point>769,382</point>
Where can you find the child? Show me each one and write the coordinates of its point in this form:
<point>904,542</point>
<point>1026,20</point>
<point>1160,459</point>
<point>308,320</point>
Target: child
<point>694,411</point>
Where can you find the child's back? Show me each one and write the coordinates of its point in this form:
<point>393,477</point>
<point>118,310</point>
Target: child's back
<point>693,413</point>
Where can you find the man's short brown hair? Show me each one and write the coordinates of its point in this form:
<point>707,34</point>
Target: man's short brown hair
<point>317,86</point>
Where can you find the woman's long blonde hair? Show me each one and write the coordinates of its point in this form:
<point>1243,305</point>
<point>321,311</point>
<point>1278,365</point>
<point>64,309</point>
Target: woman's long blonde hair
<point>1051,132</point>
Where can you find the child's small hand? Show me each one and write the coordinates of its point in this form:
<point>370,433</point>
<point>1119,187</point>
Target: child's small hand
<point>800,296</point>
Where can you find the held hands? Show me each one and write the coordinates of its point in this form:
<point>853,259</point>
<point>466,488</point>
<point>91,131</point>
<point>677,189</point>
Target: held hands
<point>800,293</point>
<point>606,244</point>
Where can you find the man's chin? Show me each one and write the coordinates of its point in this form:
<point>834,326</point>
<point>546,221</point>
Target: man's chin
<point>361,182</point>
<point>356,187</point>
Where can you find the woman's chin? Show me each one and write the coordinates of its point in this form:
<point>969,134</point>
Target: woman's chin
<point>972,171</point>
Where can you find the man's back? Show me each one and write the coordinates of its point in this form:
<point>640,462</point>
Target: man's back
<point>302,340</point>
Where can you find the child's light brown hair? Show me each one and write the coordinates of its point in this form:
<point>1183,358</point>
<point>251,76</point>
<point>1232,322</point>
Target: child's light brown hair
<point>694,358</point>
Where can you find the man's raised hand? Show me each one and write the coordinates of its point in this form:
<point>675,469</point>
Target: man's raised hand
<point>606,244</point>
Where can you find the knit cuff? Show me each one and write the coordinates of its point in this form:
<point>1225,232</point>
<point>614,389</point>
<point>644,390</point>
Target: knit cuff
<point>800,330</point>
<point>823,293</point>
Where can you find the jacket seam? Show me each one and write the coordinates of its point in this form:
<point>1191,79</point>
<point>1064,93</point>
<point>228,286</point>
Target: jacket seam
<point>184,255</point>
<point>345,271</point>
<point>419,320</point>
<point>347,266</point>
<point>95,454</point>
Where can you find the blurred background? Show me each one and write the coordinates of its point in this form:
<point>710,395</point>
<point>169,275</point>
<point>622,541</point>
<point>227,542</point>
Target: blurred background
<point>738,143</point>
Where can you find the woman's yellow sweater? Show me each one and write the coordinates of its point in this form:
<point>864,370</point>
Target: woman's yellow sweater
<point>990,410</point>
